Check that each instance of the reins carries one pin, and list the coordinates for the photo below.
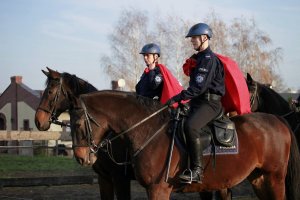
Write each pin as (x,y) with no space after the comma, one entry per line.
(108,142)
(109,150)
(254,96)
(137,124)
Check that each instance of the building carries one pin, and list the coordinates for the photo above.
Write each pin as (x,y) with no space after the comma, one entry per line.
(18,104)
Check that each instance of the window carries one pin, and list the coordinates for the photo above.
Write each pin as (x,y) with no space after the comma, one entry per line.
(66,128)
(26,125)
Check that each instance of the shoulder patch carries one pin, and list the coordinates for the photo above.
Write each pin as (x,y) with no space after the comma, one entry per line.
(158,79)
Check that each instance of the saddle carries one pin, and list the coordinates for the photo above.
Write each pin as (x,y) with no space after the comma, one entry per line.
(220,131)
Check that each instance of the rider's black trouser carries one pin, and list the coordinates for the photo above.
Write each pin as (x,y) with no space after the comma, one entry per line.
(201,113)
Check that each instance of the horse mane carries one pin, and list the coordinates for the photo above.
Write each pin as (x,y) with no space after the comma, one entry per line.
(268,93)
(148,104)
(78,85)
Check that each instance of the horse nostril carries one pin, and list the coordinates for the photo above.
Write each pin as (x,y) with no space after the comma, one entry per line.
(80,161)
(37,124)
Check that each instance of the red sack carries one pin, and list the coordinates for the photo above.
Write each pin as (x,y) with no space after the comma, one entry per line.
(171,86)
(237,97)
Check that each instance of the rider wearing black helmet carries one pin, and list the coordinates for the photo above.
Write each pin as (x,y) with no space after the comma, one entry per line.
(151,82)
(206,87)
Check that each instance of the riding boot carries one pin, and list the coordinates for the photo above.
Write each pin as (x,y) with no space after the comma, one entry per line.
(196,156)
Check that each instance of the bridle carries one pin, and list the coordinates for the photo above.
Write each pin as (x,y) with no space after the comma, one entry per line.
(254,96)
(52,111)
(107,142)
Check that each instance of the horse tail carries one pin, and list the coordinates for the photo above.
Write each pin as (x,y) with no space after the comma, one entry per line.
(292,179)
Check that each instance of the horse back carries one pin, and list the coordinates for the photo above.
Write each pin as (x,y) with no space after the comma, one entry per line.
(265,134)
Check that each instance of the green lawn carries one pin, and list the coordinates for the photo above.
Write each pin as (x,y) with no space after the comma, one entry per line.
(14,165)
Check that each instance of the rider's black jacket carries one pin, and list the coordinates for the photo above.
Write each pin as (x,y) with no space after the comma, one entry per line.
(150,84)
(206,77)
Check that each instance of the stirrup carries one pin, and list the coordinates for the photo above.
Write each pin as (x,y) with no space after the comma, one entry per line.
(187,171)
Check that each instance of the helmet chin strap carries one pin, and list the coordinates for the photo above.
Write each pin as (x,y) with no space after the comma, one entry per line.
(154,61)
(202,42)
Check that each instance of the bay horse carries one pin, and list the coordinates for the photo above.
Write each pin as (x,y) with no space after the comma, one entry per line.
(62,94)
(265,99)
(268,154)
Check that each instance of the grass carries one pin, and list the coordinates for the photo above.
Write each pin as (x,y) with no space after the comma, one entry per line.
(15,165)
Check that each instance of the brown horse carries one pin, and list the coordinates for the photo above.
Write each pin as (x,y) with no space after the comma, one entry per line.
(268,154)
(62,94)
(63,90)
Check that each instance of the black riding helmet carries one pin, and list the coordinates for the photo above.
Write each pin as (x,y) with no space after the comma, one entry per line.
(200,29)
(151,48)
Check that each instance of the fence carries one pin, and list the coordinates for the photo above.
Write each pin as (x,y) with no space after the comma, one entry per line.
(25,142)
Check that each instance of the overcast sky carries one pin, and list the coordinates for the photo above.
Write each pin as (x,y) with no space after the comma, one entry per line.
(71,35)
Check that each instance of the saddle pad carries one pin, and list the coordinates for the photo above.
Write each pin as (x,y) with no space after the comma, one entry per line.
(222,150)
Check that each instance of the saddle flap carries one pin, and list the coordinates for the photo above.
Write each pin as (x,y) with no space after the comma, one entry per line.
(224,130)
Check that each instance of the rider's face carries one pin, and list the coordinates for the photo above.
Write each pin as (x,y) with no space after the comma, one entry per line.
(196,42)
(150,58)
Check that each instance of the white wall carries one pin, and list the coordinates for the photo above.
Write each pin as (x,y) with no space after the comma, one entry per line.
(6,110)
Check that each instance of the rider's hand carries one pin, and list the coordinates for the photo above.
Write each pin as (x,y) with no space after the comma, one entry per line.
(173,100)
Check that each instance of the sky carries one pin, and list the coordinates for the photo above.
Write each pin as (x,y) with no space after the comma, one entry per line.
(72,35)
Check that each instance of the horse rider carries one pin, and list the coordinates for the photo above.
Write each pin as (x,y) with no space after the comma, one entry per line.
(157,82)
(206,87)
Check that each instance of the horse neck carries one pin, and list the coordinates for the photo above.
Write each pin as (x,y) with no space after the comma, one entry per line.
(124,114)
(76,87)
(272,102)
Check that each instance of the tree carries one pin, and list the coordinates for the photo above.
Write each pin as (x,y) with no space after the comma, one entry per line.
(126,41)
(170,33)
(241,40)
(250,47)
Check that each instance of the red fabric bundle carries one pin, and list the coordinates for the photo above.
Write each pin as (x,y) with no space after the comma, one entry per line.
(171,86)
(237,96)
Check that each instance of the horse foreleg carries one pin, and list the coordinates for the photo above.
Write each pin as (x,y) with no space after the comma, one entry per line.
(106,188)
(122,188)
(225,194)
(206,195)
(159,192)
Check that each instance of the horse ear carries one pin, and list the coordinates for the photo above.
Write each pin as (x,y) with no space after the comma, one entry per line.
(46,73)
(249,78)
(52,73)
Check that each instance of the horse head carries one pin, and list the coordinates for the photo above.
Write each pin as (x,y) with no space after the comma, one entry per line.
(108,119)
(61,94)
(84,139)
(53,101)
(265,99)
(90,129)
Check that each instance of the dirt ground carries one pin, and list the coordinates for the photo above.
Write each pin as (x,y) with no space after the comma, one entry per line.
(88,192)
(91,191)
